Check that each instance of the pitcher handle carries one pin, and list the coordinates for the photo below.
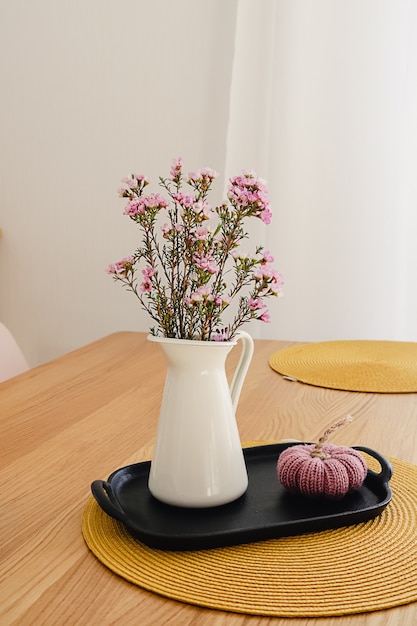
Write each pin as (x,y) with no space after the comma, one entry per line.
(242,366)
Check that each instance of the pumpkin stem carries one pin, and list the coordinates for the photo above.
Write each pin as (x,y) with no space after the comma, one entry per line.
(318,448)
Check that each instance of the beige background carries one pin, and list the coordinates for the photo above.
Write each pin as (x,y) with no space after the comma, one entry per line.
(320,102)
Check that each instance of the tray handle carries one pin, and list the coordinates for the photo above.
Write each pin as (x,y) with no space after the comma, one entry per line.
(386,467)
(103,493)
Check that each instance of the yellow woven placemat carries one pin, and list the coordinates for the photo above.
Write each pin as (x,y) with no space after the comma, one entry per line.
(355,569)
(372,366)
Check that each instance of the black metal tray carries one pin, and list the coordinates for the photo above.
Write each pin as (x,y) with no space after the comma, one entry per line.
(265,511)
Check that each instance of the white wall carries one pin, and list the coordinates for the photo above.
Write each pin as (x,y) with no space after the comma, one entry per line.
(334,131)
(92,90)
(323,104)
(341,143)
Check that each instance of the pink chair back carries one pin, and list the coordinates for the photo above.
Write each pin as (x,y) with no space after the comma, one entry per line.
(12,361)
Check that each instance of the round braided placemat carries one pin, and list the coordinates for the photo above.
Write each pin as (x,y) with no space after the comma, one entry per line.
(354,569)
(371,366)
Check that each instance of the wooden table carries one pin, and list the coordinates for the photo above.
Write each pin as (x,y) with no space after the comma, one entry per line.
(81,416)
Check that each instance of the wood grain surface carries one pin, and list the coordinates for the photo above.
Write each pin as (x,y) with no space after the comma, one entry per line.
(81,416)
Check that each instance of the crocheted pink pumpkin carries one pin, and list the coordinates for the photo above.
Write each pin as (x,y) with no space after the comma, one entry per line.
(321,469)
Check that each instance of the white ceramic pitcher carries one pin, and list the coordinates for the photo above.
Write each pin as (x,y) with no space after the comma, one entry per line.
(198,459)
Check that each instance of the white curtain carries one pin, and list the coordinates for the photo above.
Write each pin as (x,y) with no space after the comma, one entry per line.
(323,105)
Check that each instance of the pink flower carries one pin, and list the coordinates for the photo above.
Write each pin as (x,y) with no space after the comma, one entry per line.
(121,268)
(266,215)
(222,335)
(265,317)
(146,286)
(130,181)
(175,171)
(138,206)
(142,179)
(250,192)
(204,173)
(148,272)
(201,233)
(277,283)
(255,304)
(206,263)
(203,209)
(207,172)
(267,257)
(264,270)
(134,207)
(155,201)
(241,254)
(205,292)
(185,200)
(202,293)
(219,337)
(274,280)
(166,229)
(194,259)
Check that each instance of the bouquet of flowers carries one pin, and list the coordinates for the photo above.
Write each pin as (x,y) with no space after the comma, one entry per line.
(192,267)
